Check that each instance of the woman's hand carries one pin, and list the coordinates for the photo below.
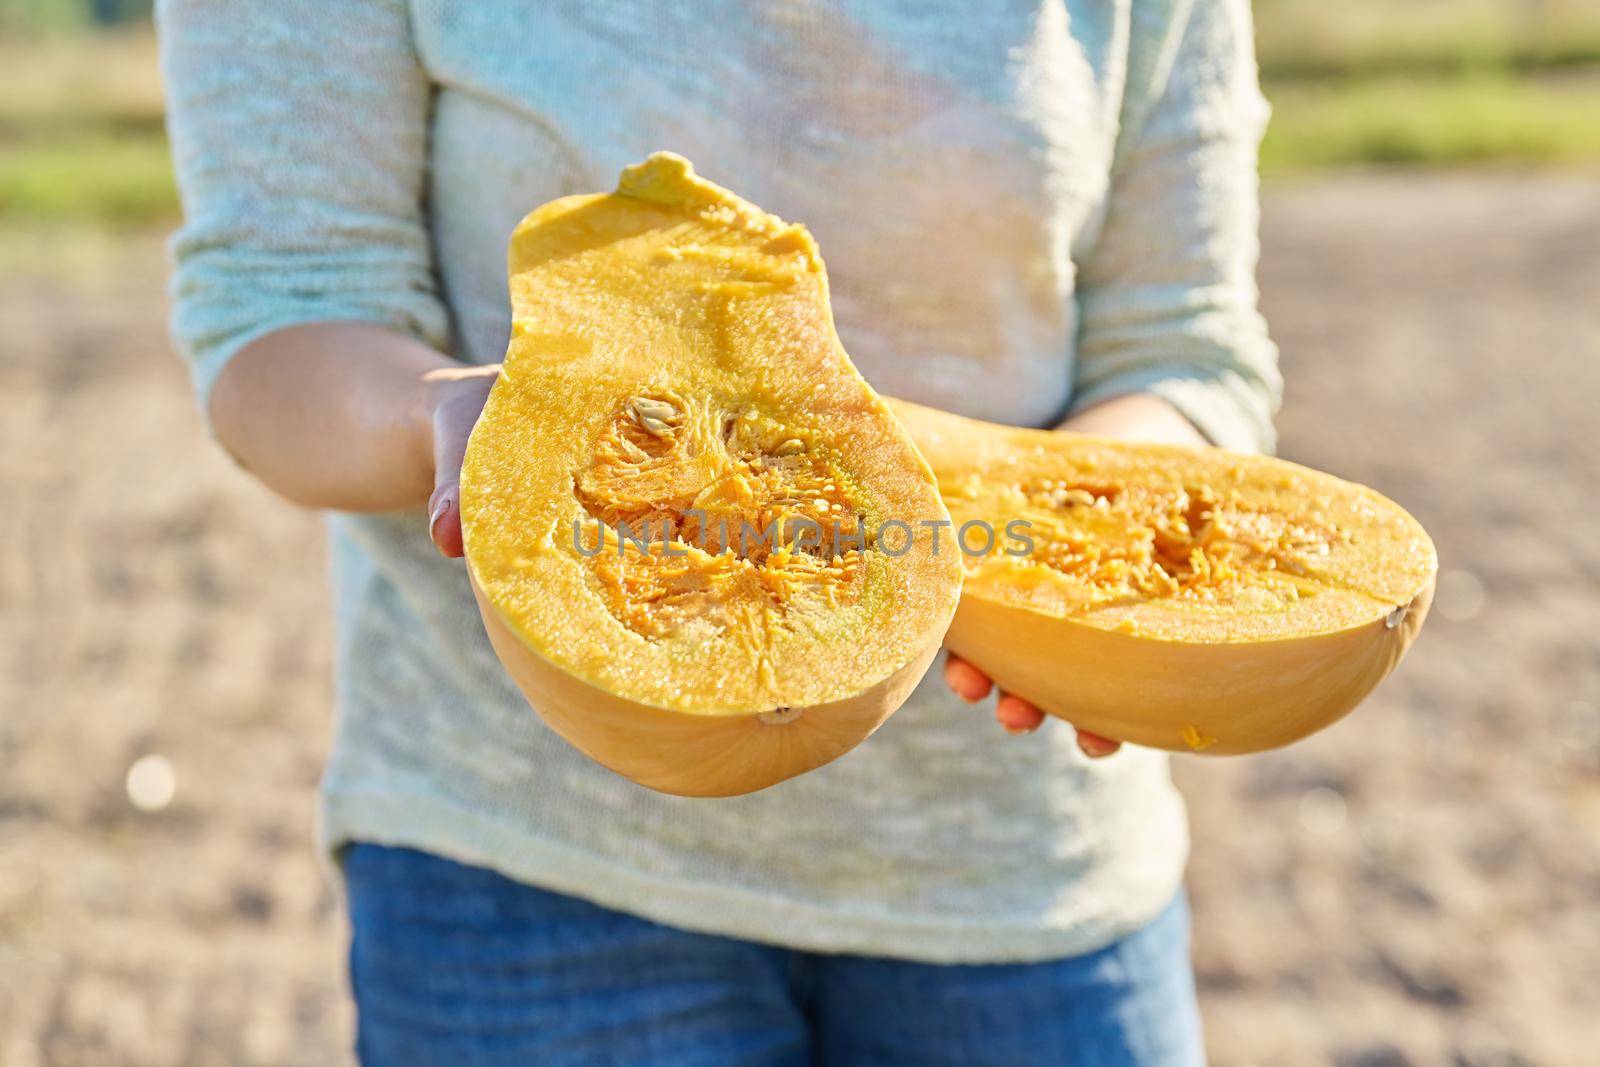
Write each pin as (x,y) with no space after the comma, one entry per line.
(353,417)
(1137,417)
(1015,714)
(336,415)
(458,395)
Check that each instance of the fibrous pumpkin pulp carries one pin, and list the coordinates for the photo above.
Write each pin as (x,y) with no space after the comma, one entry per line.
(673,502)
(1190,599)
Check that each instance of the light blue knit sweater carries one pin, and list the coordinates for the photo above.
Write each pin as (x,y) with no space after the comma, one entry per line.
(1025,206)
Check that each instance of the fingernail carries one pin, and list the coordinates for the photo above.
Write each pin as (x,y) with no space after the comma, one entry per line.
(440,507)
(1018,731)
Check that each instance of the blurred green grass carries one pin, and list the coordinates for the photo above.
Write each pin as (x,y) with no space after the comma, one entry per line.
(1434,83)
(81,135)
(1438,83)
(1459,120)
(107,178)
(1306,40)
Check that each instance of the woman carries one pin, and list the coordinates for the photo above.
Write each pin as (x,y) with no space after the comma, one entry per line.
(1031,212)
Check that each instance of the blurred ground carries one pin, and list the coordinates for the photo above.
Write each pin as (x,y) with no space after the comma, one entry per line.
(152,600)
(1418,885)
(1415,886)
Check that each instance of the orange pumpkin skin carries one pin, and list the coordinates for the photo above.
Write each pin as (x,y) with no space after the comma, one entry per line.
(696,755)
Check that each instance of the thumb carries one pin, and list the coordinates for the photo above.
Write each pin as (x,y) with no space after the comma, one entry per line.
(444,517)
(453,419)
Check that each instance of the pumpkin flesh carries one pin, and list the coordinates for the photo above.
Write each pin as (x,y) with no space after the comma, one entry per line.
(670,504)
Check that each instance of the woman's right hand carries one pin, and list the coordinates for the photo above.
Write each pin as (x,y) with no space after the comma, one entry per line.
(457,396)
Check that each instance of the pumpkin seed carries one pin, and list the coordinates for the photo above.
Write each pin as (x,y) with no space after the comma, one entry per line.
(645,407)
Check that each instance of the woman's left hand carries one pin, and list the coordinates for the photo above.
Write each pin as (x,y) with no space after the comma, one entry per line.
(1015,714)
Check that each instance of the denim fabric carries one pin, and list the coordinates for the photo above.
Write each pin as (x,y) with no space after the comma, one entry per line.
(459,966)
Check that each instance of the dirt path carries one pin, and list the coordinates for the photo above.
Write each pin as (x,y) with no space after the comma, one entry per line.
(1415,886)
(1418,884)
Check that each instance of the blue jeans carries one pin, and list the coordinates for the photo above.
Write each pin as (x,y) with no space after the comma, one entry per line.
(461,967)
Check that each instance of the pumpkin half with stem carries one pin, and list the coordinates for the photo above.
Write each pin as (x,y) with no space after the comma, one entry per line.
(1189,599)
(672,504)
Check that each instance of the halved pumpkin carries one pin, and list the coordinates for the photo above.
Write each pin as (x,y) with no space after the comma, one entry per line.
(673,501)
(1189,599)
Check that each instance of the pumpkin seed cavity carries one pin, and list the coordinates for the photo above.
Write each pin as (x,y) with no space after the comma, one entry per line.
(704,516)
(1130,543)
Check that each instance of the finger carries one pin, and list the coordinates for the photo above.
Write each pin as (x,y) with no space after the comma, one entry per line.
(450,434)
(1017,715)
(452,429)
(969,683)
(1096,747)
(453,421)
(444,519)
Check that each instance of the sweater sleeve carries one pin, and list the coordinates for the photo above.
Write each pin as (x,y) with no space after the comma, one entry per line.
(299,133)
(1167,295)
